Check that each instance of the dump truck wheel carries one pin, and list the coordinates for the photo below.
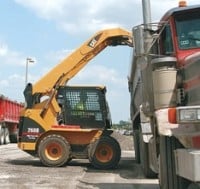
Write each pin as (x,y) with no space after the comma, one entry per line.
(1,135)
(13,138)
(194,186)
(167,169)
(6,136)
(136,139)
(144,158)
(105,153)
(54,151)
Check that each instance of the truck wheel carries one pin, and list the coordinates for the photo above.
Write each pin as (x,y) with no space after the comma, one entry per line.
(136,139)
(144,158)
(167,170)
(13,138)
(6,136)
(194,186)
(1,135)
(105,153)
(54,151)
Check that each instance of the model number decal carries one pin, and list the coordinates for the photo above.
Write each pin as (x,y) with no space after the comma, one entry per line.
(33,130)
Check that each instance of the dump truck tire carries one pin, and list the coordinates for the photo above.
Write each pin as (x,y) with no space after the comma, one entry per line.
(144,158)
(167,169)
(136,139)
(13,138)
(194,186)
(6,136)
(54,151)
(1,135)
(105,153)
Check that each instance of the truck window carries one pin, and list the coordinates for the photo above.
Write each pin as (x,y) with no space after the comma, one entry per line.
(188,37)
(167,41)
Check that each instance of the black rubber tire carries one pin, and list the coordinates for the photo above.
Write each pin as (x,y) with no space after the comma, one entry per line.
(194,186)
(54,151)
(1,135)
(167,170)
(144,158)
(105,153)
(6,136)
(13,138)
(136,139)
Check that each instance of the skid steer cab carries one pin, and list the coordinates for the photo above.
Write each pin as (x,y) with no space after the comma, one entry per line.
(83,130)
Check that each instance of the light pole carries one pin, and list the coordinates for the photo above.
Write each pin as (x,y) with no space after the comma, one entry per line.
(28,60)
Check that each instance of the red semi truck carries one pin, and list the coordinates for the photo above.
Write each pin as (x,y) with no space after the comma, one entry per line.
(164,85)
(9,119)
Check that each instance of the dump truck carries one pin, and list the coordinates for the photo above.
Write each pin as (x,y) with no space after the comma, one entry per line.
(62,122)
(9,119)
(164,85)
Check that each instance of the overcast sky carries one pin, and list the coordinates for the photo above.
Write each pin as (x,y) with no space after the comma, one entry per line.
(49,30)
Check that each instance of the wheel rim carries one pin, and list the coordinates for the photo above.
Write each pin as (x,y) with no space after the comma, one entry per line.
(104,153)
(53,151)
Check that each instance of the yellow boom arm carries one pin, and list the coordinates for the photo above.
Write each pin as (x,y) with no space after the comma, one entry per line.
(71,65)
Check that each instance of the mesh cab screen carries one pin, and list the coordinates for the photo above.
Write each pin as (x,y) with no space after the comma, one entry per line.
(84,107)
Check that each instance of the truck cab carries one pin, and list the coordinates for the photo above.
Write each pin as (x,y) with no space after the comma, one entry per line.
(164,86)
(181,35)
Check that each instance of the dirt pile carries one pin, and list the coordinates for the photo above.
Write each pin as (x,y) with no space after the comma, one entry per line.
(126,142)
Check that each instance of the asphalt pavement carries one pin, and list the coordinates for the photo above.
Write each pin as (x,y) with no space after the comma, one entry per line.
(21,171)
